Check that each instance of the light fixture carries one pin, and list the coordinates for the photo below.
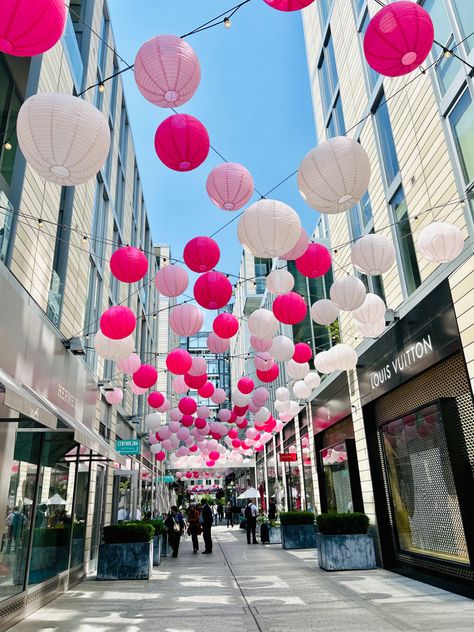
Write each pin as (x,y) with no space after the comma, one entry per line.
(101,87)
(76,345)
(227,23)
(447,53)
(7,145)
(40,223)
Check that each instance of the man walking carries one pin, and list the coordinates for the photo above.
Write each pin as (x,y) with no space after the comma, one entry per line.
(251,521)
(206,519)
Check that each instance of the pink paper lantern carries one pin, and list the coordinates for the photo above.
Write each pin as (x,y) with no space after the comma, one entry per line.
(176,414)
(207,390)
(219,396)
(156,399)
(261,396)
(239,411)
(182,434)
(114,397)
(225,325)
(165,406)
(201,254)
(398,38)
(230,186)
(288,5)
(187,421)
(118,322)
(263,361)
(130,365)
(195,381)
(224,414)
(299,248)
(193,448)
(270,375)
(30,28)
(253,407)
(245,385)
(129,264)
(171,281)
(315,262)
(302,353)
(179,361)
(137,390)
(260,344)
(216,344)
(174,426)
(213,290)
(186,319)
(182,142)
(179,385)
(187,405)
(203,412)
(189,474)
(210,463)
(200,423)
(242,424)
(290,308)
(160,456)
(146,376)
(167,71)
(236,443)
(214,455)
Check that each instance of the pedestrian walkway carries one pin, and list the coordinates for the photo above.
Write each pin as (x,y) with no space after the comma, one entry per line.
(248,588)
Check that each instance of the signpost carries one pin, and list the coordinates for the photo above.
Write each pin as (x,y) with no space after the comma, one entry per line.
(165,479)
(287,457)
(128,446)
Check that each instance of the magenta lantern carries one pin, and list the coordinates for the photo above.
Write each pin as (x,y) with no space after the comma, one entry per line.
(230,186)
(302,352)
(315,262)
(214,455)
(193,448)
(258,447)
(187,405)
(245,385)
(156,399)
(213,290)
(182,142)
(114,397)
(270,375)
(239,411)
(288,5)
(179,361)
(233,433)
(207,390)
(195,381)
(201,254)
(216,344)
(210,463)
(130,365)
(260,344)
(171,280)
(118,322)
(146,376)
(398,38)
(186,319)
(289,308)
(30,28)
(242,424)
(299,248)
(200,423)
(128,264)
(160,456)
(199,366)
(236,443)
(225,325)
(187,421)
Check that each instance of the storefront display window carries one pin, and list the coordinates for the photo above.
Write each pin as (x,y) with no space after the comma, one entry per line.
(337,479)
(307,474)
(80,508)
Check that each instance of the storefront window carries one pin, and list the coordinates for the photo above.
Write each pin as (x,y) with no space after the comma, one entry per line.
(424,499)
(337,479)
(80,509)
(307,474)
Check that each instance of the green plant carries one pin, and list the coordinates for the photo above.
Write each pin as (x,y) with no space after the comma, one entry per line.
(296,517)
(128,532)
(157,524)
(343,523)
(262,518)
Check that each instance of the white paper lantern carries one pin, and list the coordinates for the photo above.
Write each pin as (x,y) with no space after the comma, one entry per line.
(348,293)
(282,394)
(282,407)
(63,138)
(343,357)
(155,448)
(373,254)
(297,370)
(372,330)
(335,175)
(372,310)
(269,228)
(113,349)
(322,362)
(282,348)
(263,324)
(153,421)
(240,399)
(262,416)
(280,281)
(294,408)
(440,242)
(312,380)
(324,312)
(301,390)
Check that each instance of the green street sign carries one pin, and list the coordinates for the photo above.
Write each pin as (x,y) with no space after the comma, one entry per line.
(128,446)
(165,479)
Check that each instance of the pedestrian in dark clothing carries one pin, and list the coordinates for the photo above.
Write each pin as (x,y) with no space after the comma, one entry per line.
(206,521)
(251,521)
(220,511)
(229,514)
(272,510)
(194,528)
(174,524)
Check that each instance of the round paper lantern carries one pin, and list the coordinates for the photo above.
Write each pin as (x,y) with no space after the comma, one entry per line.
(323,363)
(160,456)
(299,248)
(373,254)
(176,414)
(31,28)
(195,381)
(282,348)
(200,423)
(167,71)
(214,455)
(280,281)
(165,406)
(312,380)
(146,376)
(201,254)
(302,352)
(114,397)
(182,434)
(156,399)
(245,385)
(282,394)
(335,175)
(263,361)
(348,293)
(179,361)
(203,412)
(182,142)
(262,323)
(372,310)
(288,5)
(216,344)
(153,421)
(207,390)
(186,319)
(179,385)
(269,228)
(171,281)
(239,398)
(224,414)
(230,186)
(64,138)
(118,322)
(315,262)
(440,242)
(225,325)
(198,367)
(270,375)
(138,390)
(372,330)
(260,344)
(297,370)
(219,396)
(301,390)
(129,365)
(289,309)
(111,349)
(262,416)
(213,290)
(398,39)
(260,396)
(282,407)
(324,312)
(343,357)
(129,264)
(187,421)
(187,405)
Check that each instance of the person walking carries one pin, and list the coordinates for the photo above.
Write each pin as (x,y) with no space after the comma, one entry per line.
(229,514)
(174,524)
(215,514)
(206,520)
(194,528)
(251,521)
(220,511)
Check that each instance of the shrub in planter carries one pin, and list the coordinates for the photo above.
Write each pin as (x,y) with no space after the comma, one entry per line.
(297,530)
(157,524)
(342,523)
(343,542)
(127,552)
(128,532)
(160,533)
(296,517)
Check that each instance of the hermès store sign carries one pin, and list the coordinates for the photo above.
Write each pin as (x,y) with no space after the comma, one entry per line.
(402,362)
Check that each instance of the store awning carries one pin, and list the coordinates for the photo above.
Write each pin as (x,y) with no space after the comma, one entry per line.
(17,397)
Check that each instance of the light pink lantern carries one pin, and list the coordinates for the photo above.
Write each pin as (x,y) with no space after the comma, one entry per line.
(260,344)
(171,281)
(199,366)
(299,248)
(203,412)
(212,290)
(224,414)
(179,385)
(179,361)
(398,38)
(176,414)
(128,264)
(219,396)
(315,262)
(225,325)
(263,361)
(114,397)
(129,365)
(167,71)
(137,390)
(117,322)
(201,254)
(165,406)
(216,344)
(186,319)
(230,186)
(260,396)
(289,5)
(182,142)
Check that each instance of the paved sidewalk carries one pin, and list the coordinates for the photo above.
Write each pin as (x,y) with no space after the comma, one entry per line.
(248,588)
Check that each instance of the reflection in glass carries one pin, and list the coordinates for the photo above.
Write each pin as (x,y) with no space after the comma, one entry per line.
(307,474)
(462,124)
(336,479)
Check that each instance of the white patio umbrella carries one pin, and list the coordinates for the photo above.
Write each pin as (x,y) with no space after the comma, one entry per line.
(251,492)
(56,500)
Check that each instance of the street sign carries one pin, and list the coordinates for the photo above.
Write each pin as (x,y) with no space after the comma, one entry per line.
(287,457)
(165,479)
(128,446)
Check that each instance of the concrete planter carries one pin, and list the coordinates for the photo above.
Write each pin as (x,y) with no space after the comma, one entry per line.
(269,535)
(298,536)
(346,552)
(157,550)
(164,545)
(131,560)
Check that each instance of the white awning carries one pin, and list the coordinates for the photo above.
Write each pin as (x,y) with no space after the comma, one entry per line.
(15,396)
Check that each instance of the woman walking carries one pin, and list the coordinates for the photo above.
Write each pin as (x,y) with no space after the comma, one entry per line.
(174,524)
(194,528)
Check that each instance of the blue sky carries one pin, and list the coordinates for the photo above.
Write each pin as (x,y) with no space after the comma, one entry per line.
(254,99)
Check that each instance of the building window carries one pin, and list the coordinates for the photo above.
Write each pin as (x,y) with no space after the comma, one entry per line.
(99,224)
(336,125)
(10,102)
(446,67)
(123,135)
(371,75)
(385,138)
(325,7)
(360,217)
(404,239)
(103,48)
(262,270)
(465,19)
(119,193)
(93,309)
(461,120)
(328,73)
